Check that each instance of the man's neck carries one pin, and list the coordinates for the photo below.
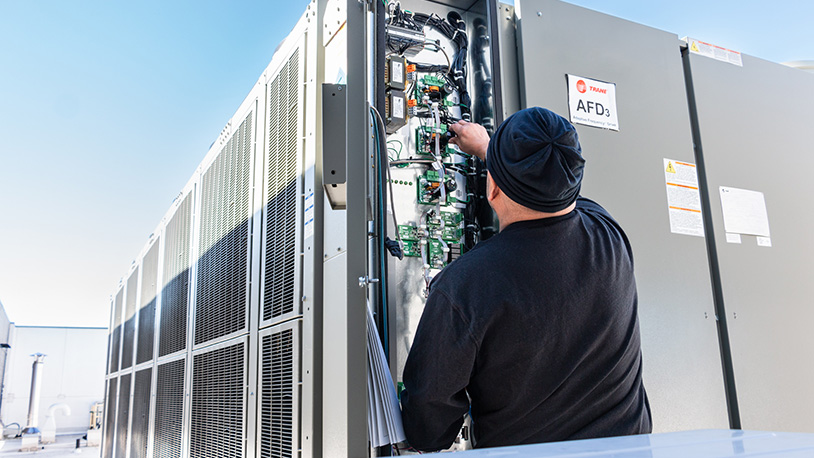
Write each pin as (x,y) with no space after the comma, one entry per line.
(527,214)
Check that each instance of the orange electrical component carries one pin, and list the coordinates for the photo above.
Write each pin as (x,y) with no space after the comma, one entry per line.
(412,102)
(411,68)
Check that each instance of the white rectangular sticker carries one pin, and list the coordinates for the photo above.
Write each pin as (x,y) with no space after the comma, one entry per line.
(398,107)
(744,211)
(397,71)
(733,238)
(714,52)
(309,216)
(764,241)
(592,102)
(683,198)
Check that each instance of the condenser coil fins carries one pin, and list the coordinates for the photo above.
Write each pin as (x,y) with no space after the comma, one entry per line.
(169,410)
(283,181)
(218,385)
(110,416)
(122,414)
(278,397)
(116,337)
(130,320)
(141,413)
(146,314)
(172,330)
(223,263)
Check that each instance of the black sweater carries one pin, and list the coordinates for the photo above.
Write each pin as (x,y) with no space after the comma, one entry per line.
(538,325)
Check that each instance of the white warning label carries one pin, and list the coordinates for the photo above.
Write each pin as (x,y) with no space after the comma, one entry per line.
(592,102)
(683,198)
(714,52)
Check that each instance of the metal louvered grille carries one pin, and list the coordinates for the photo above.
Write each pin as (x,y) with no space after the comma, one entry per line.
(122,414)
(277,391)
(223,263)
(141,413)
(218,387)
(146,314)
(172,330)
(281,209)
(110,417)
(169,410)
(116,338)
(130,323)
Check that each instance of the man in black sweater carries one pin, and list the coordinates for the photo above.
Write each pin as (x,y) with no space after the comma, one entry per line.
(535,331)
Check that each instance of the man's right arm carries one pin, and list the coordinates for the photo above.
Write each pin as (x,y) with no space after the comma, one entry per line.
(471,138)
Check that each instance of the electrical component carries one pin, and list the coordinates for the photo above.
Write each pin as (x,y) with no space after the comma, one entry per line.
(429,188)
(425,140)
(395,73)
(395,107)
(403,41)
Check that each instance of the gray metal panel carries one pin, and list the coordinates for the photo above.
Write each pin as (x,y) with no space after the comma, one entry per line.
(755,128)
(282,212)
(110,417)
(219,401)
(624,173)
(223,263)
(129,337)
(146,314)
(172,327)
(116,333)
(279,393)
(141,413)
(122,416)
(169,409)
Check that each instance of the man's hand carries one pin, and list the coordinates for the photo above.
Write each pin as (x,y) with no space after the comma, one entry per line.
(471,138)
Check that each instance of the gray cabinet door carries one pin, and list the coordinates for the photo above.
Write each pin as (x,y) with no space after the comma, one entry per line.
(624,172)
(757,133)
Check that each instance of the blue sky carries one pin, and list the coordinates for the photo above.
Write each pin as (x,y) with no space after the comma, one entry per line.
(106,109)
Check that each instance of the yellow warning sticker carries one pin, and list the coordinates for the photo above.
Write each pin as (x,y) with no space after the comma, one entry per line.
(694,47)
(670,168)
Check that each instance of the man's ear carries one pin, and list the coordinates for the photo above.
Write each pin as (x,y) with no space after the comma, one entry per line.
(492,190)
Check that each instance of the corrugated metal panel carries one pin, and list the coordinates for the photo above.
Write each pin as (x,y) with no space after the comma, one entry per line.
(146,314)
(116,338)
(218,391)
(223,263)
(110,417)
(141,413)
(282,181)
(122,415)
(130,323)
(172,330)
(169,410)
(279,394)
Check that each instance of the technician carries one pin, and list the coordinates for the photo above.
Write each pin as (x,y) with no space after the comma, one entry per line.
(534,331)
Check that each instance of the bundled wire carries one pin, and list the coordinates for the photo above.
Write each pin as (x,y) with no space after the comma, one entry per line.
(453,28)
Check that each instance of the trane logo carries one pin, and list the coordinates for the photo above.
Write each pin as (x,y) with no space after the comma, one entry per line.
(582,88)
